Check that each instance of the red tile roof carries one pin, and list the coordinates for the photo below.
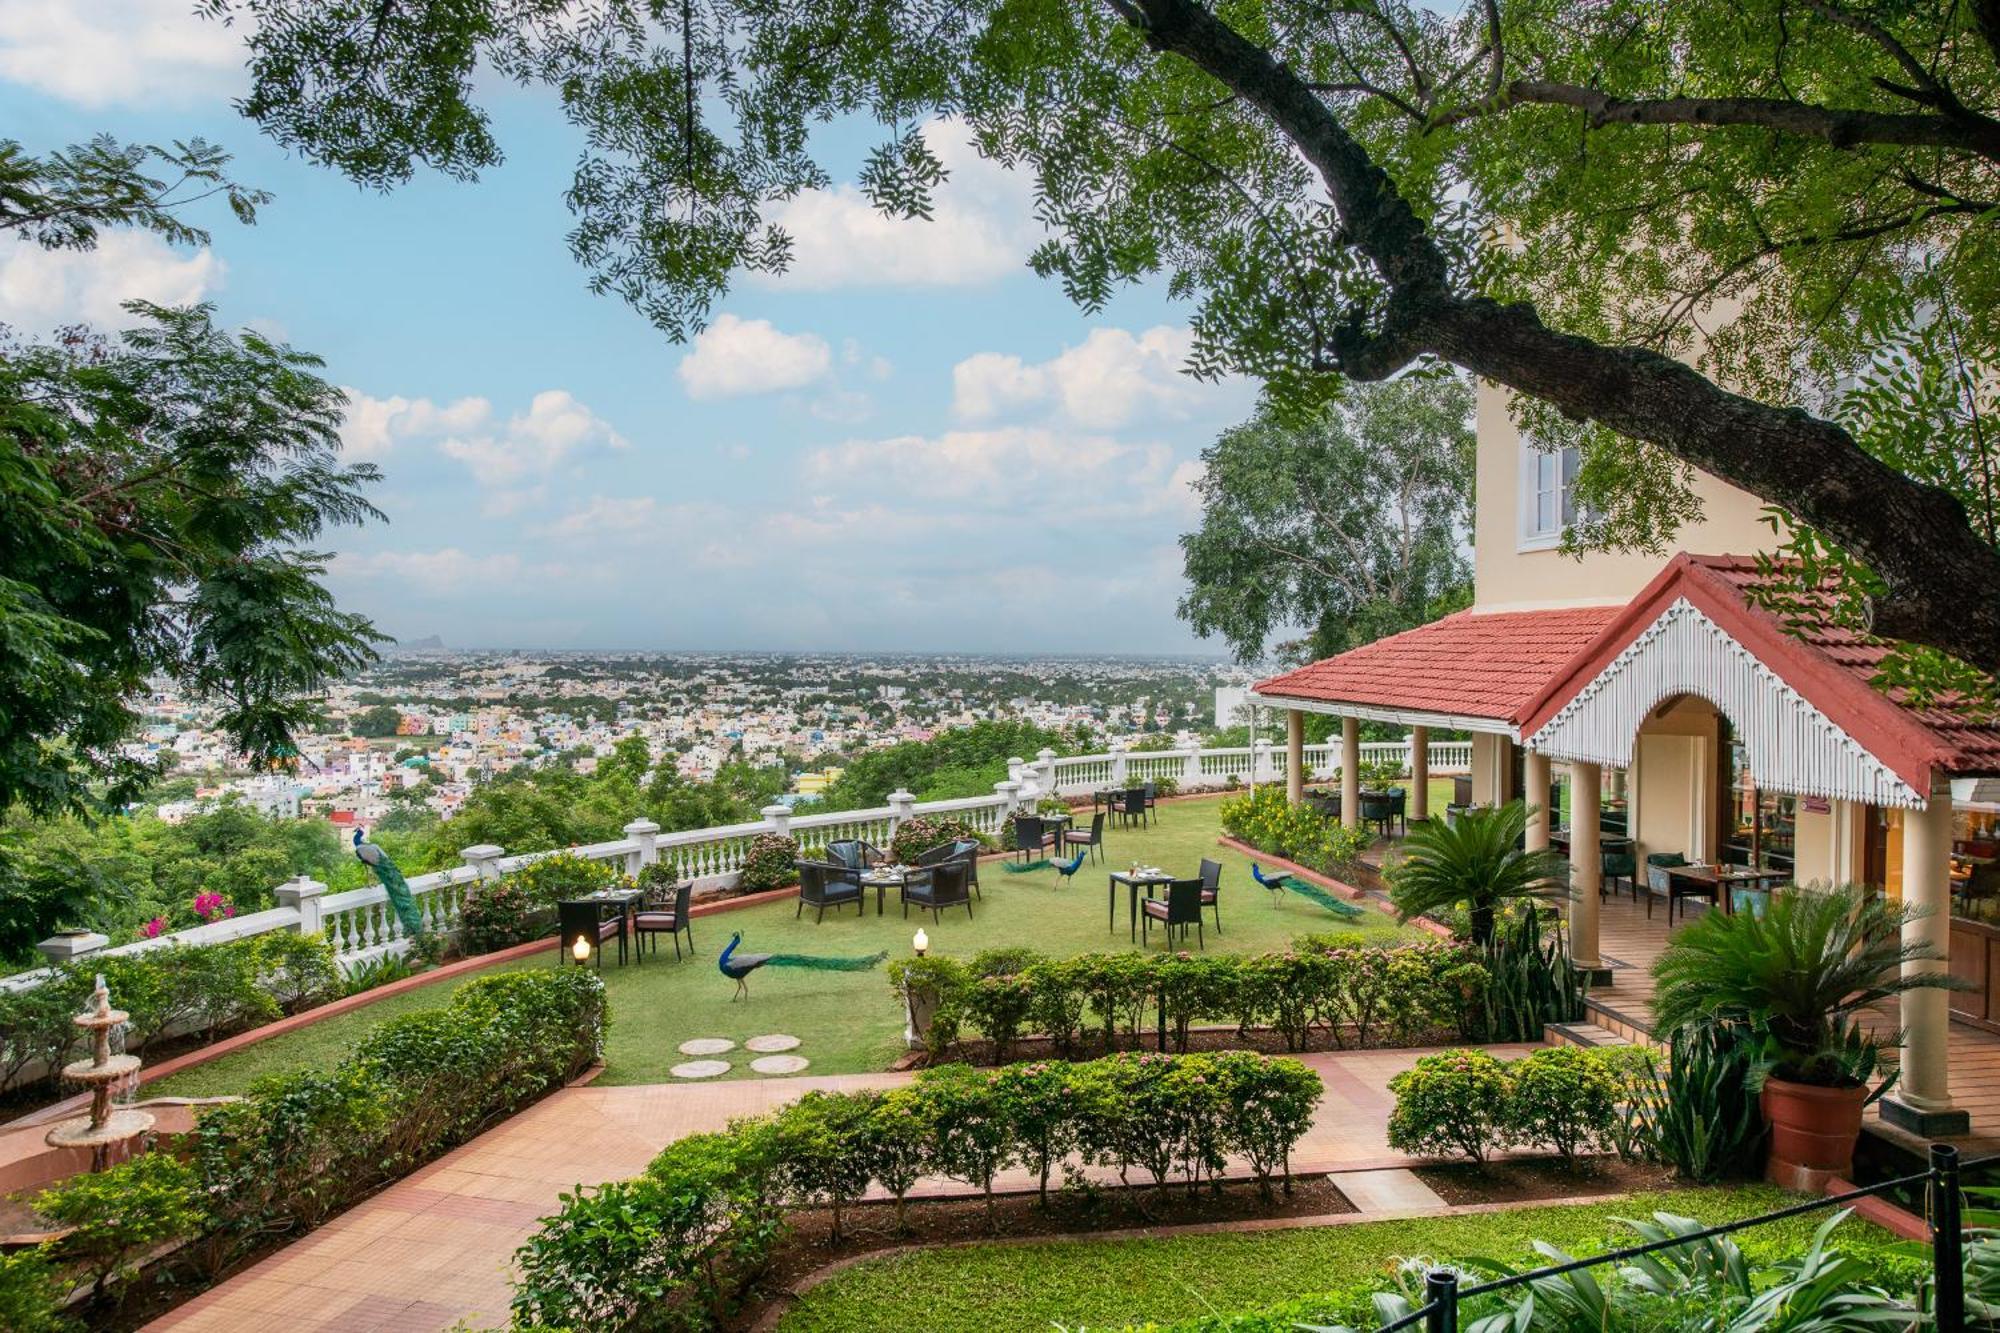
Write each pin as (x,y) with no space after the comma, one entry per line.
(1471,664)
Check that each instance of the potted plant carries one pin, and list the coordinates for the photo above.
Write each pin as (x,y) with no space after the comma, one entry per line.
(1796,980)
(1476,863)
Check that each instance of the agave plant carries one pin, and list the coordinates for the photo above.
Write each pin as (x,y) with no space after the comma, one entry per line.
(1799,977)
(1476,861)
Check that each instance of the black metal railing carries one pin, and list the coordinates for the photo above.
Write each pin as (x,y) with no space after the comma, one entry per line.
(1443,1293)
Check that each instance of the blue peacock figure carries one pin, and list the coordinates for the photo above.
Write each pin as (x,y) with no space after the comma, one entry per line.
(738,966)
(1279,884)
(393,883)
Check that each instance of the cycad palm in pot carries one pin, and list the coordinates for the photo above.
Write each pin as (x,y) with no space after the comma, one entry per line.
(1799,979)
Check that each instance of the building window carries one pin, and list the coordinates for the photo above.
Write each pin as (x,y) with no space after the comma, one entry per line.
(1548,494)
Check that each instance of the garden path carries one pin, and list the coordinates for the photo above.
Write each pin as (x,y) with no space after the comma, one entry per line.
(436,1248)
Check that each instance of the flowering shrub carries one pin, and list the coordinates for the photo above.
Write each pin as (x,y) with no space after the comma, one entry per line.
(769,863)
(498,914)
(1563,1098)
(548,880)
(1451,1102)
(920,833)
(677,1245)
(212,907)
(1266,820)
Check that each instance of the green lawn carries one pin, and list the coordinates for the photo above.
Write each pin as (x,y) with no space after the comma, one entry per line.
(848,1022)
(1108,1284)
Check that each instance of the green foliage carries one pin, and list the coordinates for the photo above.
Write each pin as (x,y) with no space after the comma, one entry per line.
(953,759)
(1564,1099)
(674,1248)
(1696,1109)
(1265,819)
(1530,981)
(1476,862)
(380,970)
(770,862)
(999,995)
(113,1217)
(498,914)
(32,1291)
(1352,523)
(1799,976)
(1451,1102)
(298,970)
(548,880)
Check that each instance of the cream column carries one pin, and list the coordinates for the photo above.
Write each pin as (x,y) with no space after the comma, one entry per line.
(1350,772)
(1922,1099)
(1295,755)
(1586,865)
(1535,773)
(1420,773)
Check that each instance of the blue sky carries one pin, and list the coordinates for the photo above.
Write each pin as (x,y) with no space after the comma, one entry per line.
(910,442)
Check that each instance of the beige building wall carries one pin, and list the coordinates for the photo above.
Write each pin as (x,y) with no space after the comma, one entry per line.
(1507,577)
(1671,789)
(1828,845)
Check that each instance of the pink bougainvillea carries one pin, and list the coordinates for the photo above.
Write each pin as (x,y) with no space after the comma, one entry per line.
(153,929)
(213,907)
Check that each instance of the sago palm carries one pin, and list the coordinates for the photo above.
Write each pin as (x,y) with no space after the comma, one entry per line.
(1801,975)
(1477,862)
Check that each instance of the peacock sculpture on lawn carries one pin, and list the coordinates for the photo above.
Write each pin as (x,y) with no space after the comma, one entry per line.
(738,966)
(1279,884)
(393,883)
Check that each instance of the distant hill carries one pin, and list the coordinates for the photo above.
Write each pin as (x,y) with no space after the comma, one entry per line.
(429,644)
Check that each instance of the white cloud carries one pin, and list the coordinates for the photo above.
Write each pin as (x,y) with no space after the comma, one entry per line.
(127,52)
(40,289)
(605,514)
(990,465)
(1112,379)
(981,228)
(735,356)
(374,425)
(447,570)
(555,429)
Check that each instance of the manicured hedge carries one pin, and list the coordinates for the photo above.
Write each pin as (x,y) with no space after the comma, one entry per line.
(1336,990)
(674,1248)
(1265,819)
(1565,1099)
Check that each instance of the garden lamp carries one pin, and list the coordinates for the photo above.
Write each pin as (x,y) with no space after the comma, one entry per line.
(921,942)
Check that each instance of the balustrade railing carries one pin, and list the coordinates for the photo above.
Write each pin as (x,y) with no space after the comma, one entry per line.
(361,926)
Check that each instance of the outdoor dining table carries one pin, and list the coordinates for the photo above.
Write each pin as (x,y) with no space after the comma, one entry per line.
(881,877)
(1710,881)
(1109,798)
(1147,878)
(1056,824)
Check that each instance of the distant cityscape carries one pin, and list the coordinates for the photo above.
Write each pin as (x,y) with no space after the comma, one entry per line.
(428,724)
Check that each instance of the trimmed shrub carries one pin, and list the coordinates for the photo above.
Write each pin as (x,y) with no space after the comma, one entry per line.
(299,971)
(920,833)
(1451,1102)
(813,1142)
(113,1217)
(499,914)
(548,880)
(770,862)
(1562,1099)
(1263,818)
(32,1291)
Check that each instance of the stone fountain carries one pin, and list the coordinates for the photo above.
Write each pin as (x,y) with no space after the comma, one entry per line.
(104,1127)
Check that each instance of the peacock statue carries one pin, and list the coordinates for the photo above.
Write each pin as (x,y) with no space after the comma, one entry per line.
(738,966)
(393,883)
(1278,884)
(1066,869)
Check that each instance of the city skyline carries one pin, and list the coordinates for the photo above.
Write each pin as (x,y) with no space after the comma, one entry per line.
(909,443)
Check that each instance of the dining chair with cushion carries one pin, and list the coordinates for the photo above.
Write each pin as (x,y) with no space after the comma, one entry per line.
(1660,882)
(669,916)
(1617,865)
(949,884)
(823,885)
(1132,806)
(1031,837)
(1180,909)
(1377,809)
(1094,839)
(1399,808)
(1152,790)
(854,854)
(1211,889)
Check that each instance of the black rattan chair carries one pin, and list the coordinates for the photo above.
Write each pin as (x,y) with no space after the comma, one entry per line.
(1180,909)
(668,918)
(822,885)
(1032,837)
(1211,889)
(1132,806)
(949,884)
(1094,839)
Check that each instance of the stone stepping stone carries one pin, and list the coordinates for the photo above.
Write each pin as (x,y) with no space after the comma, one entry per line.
(700,1069)
(770,1043)
(779,1064)
(707,1046)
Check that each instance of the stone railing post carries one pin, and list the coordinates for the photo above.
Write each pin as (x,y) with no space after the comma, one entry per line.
(902,805)
(779,817)
(1260,762)
(1119,763)
(484,859)
(304,894)
(1015,768)
(647,834)
(1010,795)
(1045,758)
(1191,769)
(71,944)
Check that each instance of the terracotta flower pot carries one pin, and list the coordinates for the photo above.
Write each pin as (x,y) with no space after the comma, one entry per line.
(1813,1132)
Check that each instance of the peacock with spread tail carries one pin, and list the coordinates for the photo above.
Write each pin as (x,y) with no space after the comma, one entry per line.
(393,883)
(1279,884)
(738,966)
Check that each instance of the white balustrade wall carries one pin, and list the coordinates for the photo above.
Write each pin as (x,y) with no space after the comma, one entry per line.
(361,926)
